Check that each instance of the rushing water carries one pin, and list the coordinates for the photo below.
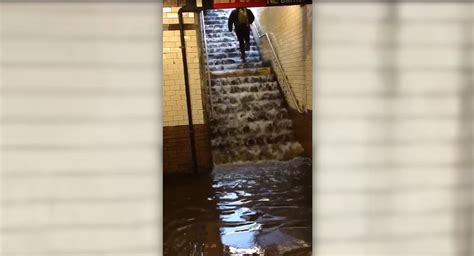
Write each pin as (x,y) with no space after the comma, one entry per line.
(255,209)
(250,121)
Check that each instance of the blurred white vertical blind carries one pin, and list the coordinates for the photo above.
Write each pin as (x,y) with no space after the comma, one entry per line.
(80,123)
(394,128)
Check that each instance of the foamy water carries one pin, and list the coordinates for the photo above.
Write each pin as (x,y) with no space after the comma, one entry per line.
(250,121)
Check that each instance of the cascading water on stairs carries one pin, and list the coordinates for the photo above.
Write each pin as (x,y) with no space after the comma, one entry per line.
(250,120)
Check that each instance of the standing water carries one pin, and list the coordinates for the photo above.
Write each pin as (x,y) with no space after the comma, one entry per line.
(250,204)
(247,209)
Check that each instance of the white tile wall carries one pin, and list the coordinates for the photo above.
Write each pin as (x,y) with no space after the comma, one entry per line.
(174,100)
(291,35)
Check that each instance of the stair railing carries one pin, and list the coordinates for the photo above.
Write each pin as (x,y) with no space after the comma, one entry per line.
(206,64)
(286,88)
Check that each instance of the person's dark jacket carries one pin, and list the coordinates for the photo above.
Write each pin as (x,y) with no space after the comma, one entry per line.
(234,20)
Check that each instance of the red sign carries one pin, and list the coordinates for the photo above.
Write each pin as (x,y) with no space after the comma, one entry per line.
(221,4)
(238,3)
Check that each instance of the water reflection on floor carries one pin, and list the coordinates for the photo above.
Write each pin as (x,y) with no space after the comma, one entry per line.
(251,209)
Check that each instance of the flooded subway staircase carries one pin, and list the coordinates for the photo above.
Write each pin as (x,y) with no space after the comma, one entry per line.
(253,208)
(250,122)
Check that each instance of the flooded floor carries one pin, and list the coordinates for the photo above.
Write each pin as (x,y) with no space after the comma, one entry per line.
(250,209)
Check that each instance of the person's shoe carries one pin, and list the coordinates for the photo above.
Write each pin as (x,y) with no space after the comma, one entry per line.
(242,57)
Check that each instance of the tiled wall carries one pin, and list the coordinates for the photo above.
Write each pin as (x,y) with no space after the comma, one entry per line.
(292,39)
(394,130)
(176,140)
(80,112)
(174,97)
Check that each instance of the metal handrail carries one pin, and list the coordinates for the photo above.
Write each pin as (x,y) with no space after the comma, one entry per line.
(285,78)
(208,72)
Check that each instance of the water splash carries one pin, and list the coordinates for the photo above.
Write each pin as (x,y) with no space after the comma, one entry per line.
(250,121)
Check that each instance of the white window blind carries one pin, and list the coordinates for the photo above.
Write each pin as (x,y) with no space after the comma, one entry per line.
(80,113)
(393,137)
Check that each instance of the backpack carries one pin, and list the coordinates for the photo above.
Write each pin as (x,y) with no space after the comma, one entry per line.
(243,17)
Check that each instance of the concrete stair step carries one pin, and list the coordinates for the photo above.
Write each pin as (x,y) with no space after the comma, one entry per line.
(254,127)
(253,115)
(253,105)
(244,97)
(233,49)
(244,118)
(222,34)
(210,14)
(235,66)
(234,44)
(226,40)
(217,16)
(232,57)
(215,22)
(250,139)
(261,71)
(221,29)
(222,90)
(274,151)
(221,40)
(219,56)
(235,60)
(243,80)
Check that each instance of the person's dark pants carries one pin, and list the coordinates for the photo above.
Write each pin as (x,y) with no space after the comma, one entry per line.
(244,40)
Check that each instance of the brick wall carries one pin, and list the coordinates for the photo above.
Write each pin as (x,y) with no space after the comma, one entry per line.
(177,150)
(291,27)
(394,128)
(80,93)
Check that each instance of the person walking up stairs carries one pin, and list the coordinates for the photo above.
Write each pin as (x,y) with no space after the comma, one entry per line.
(241,19)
